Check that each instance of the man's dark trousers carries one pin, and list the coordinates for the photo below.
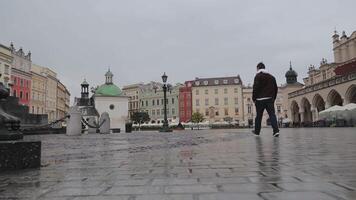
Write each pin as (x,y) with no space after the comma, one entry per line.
(261,105)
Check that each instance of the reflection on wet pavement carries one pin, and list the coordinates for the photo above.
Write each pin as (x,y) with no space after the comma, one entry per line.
(194,165)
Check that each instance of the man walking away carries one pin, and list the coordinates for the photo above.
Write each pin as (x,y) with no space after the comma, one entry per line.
(264,94)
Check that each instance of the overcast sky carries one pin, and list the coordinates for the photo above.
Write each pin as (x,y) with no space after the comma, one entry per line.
(140,39)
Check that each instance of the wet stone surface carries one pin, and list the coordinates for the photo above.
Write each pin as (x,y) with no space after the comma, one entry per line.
(191,165)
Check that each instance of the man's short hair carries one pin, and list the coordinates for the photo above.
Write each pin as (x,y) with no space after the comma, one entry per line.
(261,65)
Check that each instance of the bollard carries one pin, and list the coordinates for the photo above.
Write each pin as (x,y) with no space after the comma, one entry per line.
(74,125)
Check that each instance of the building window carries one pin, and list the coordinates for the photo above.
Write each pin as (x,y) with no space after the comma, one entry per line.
(142,103)
(279,109)
(158,113)
(216,101)
(216,82)
(225,90)
(162,101)
(26,96)
(112,107)
(172,100)
(14,93)
(206,102)
(21,96)
(206,112)
(206,82)
(173,111)
(236,111)
(226,111)
(33,109)
(153,102)
(206,91)
(217,113)
(249,109)
(146,103)
(225,81)
(216,91)
(236,100)
(153,112)
(197,102)
(226,101)
(7,69)
(197,92)
(21,83)
(157,102)
(235,90)
(15,83)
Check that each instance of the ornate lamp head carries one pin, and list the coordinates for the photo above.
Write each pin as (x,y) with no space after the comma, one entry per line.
(164,77)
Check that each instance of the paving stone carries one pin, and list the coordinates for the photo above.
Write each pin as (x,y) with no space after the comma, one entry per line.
(100,197)
(310,187)
(190,189)
(134,190)
(229,196)
(75,192)
(207,164)
(296,196)
(171,181)
(249,188)
(164,197)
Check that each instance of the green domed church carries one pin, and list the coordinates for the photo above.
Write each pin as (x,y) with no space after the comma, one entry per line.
(109,98)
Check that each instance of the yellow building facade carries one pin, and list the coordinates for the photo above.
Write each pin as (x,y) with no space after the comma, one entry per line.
(51,90)
(218,99)
(5,65)
(38,96)
(61,101)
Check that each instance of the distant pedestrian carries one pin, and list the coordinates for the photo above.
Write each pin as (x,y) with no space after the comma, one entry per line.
(264,94)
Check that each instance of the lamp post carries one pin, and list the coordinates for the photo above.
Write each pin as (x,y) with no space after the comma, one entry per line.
(165,127)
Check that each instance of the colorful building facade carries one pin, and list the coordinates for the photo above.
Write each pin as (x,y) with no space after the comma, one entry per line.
(21,76)
(185,102)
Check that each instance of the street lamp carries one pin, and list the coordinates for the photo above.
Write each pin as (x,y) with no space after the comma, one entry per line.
(165,127)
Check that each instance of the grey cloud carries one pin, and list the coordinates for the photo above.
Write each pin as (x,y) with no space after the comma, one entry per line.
(141,39)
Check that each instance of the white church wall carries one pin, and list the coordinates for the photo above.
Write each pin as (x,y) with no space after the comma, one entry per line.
(118,112)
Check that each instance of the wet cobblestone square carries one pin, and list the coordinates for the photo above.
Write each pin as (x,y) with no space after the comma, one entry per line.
(314,163)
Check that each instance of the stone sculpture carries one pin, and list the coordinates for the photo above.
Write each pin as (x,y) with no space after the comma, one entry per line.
(105,123)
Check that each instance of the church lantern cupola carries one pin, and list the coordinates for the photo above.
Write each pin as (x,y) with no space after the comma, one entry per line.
(85,89)
(108,77)
(291,75)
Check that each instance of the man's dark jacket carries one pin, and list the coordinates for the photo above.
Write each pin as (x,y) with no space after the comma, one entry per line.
(264,85)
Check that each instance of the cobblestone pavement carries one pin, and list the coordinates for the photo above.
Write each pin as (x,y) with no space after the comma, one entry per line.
(305,164)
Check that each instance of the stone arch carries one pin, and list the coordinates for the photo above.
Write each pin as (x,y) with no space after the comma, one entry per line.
(294,107)
(306,115)
(350,95)
(334,98)
(318,105)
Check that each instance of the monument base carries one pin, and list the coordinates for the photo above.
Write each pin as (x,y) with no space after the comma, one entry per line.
(165,130)
(20,155)
(7,135)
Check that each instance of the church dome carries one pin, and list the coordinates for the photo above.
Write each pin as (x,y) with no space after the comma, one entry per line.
(291,75)
(108,90)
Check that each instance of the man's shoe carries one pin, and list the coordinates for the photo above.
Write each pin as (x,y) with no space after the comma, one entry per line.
(255,133)
(276,134)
